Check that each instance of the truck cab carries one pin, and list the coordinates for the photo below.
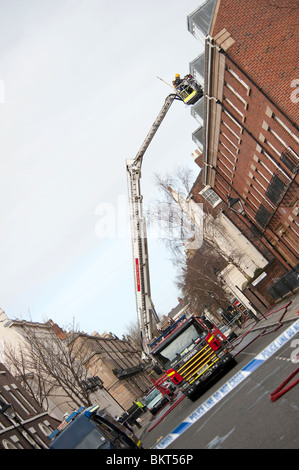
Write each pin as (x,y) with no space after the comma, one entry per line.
(90,428)
(191,356)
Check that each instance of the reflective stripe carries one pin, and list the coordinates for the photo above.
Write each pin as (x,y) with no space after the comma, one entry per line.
(203,362)
(193,357)
(198,375)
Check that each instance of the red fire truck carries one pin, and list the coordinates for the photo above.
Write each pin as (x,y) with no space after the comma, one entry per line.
(191,355)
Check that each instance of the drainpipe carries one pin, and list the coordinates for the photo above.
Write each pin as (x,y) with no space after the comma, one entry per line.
(209,45)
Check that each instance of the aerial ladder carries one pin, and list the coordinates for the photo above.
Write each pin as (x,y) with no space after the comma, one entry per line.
(189,92)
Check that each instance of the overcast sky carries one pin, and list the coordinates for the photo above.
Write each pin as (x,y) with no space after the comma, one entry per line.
(81,92)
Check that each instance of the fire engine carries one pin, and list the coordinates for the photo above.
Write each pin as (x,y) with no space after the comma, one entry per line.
(191,354)
(189,93)
(210,353)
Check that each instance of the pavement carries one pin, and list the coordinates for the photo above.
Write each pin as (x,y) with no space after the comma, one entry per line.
(145,422)
(280,313)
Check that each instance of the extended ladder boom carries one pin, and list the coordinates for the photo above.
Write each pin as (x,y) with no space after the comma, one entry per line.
(168,102)
(145,308)
(188,92)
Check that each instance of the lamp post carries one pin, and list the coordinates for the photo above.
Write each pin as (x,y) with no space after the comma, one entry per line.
(8,411)
(216,300)
(235,204)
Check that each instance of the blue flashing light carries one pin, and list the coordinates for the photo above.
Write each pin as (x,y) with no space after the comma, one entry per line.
(74,414)
(65,422)
(53,434)
(91,411)
(167,331)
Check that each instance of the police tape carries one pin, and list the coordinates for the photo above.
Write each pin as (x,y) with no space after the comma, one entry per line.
(232,383)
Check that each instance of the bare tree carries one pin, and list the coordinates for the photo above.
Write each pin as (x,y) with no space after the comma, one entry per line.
(49,367)
(197,280)
(196,268)
(166,219)
(133,334)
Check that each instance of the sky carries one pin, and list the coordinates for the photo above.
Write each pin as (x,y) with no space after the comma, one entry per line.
(79,93)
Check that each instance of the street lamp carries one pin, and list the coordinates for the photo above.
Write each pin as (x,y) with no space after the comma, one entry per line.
(7,410)
(216,300)
(235,204)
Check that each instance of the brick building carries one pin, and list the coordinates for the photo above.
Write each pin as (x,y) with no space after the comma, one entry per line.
(29,425)
(248,132)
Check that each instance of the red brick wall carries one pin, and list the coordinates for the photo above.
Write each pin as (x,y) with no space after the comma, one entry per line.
(266,34)
(250,144)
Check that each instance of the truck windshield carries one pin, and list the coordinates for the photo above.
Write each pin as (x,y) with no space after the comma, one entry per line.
(181,345)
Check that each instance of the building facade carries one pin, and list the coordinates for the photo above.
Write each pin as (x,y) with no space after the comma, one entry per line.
(55,399)
(248,128)
(118,364)
(24,424)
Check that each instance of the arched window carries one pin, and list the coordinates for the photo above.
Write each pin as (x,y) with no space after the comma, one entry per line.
(46,430)
(10,445)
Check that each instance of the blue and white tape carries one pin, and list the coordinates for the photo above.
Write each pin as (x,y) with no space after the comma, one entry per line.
(229,385)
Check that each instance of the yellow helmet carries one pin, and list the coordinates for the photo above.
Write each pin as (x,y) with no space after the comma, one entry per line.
(177,75)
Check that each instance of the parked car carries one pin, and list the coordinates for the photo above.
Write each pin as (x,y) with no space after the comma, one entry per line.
(154,400)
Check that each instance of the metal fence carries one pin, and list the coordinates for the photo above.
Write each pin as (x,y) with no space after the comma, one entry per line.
(288,283)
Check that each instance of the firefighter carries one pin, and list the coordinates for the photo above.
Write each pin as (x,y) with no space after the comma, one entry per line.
(207,322)
(177,81)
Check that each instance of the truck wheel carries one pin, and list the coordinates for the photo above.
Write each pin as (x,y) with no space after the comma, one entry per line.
(193,397)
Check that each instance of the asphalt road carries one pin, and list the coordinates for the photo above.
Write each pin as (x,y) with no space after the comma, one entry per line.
(246,418)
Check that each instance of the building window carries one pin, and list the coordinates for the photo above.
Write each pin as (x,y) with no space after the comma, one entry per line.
(276,190)
(232,132)
(295,205)
(30,440)
(230,141)
(45,428)
(227,159)
(277,137)
(252,198)
(210,196)
(262,196)
(263,216)
(236,76)
(283,173)
(12,445)
(270,145)
(232,154)
(282,124)
(290,159)
(17,393)
(235,108)
(197,33)
(234,121)
(13,396)
(243,101)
